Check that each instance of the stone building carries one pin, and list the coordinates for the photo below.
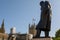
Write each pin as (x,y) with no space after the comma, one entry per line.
(18,36)
(32,29)
(2,29)
(21,37)
(3,35)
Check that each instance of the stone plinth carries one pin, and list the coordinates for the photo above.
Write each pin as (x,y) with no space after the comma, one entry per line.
(42,39)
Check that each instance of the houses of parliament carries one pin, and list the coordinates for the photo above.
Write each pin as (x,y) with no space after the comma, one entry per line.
(17,36)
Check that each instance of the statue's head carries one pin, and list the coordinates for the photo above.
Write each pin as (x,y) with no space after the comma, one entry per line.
(42,3)
(46,2)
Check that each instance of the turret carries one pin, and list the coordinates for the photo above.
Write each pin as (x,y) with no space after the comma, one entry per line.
(2,27)
(32,29)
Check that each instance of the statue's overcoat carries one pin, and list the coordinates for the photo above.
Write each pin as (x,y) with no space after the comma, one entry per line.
(45,19)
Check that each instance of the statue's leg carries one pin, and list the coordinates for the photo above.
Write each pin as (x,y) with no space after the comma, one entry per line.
(38,33)
(46,33)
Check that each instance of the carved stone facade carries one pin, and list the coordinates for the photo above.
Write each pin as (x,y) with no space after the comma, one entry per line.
(32,29)
(3,36)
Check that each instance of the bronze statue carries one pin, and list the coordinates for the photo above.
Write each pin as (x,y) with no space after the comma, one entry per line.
(45,20)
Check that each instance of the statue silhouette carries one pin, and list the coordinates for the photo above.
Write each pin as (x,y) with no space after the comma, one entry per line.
(45,20)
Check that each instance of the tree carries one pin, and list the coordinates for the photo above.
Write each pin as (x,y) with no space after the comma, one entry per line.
(57,33)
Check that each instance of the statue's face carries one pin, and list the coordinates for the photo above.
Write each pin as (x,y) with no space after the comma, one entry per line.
(42,3)
(46,2)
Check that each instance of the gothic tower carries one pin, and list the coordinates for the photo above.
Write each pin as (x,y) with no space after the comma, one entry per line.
(2,27)
(32,29)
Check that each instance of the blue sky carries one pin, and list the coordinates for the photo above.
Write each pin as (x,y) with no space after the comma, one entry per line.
(19,13)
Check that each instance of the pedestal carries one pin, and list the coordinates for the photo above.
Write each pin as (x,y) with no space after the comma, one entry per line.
(42,39)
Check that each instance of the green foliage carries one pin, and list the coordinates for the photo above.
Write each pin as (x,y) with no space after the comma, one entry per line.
(58,38)
(57,33)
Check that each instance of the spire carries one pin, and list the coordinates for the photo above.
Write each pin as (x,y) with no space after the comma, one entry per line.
(33,21)
(29,25)
(2,27)
(2,24)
